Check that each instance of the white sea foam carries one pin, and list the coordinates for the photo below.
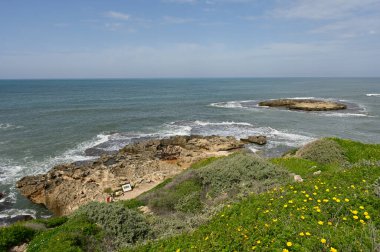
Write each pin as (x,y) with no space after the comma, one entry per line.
(230,104)
(374,95)
(7,126)
(16,212)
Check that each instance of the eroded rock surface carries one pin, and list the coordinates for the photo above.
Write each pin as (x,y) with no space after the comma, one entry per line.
(304,104)
(66,187)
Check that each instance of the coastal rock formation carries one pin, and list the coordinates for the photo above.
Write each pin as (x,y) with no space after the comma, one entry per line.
(304,104)
(66,187)
(260,140)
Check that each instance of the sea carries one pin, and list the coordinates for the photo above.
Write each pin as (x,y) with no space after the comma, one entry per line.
(48,122)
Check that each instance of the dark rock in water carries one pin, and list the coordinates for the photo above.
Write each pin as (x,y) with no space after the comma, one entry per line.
(10,220)
(93,152)
(96,152)
(261,140)
(2,195)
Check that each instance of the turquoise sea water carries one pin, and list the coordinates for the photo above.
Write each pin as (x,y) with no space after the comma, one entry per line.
(47,122)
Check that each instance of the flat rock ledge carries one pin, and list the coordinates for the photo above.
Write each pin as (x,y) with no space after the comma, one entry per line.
(304,104)
(68,186)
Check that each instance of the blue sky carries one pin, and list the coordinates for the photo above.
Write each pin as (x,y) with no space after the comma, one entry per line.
(189,38)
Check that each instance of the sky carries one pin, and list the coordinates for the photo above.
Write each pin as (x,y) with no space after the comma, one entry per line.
(189,38)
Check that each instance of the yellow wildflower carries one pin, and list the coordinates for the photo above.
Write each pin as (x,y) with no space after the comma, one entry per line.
(368,217)
(285,206)
(319,201)
(320,222)
(355,217)
(302,217)
(308,234)
(178,250)
(327,190)
(274,220)
(338,200)
(333,249)
(253,247)
(347,200)
(302,234)
(285,250)
(289,244)
(344,218)
(323,240)
(258,242)
(364,180)
(329,223)
(361,207)
(354,212)
(365,213)
(206,238)
(362,221)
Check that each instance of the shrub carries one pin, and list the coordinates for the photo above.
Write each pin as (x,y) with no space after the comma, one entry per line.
(131,203)
(53,221)
(242,172)
(14,235)
(323,151)
(124,225)
(77,234)
(182,194)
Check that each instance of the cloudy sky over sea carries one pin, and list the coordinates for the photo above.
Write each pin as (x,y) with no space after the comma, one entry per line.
(189,38)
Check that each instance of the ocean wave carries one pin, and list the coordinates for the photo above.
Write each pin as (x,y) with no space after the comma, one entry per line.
(7,126)
(374,95)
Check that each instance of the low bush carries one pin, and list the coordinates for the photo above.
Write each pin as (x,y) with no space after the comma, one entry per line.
(77,234)
(240,173)
(323,151)
(14,235)
(125,226)
(182,194)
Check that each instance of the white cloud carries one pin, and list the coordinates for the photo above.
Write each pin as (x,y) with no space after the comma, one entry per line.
(177,20)
(324,9)
(117,15)
(353,27)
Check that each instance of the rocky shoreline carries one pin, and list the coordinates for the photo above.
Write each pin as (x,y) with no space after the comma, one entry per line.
(304,104)
(66,187)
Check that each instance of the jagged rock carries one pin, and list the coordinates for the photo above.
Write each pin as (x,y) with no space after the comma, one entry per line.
(261,140)
(316,173)
(20,248)
(66,187)
(2,195)
(298,178)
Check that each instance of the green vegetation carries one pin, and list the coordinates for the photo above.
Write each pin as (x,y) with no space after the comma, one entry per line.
(325,213)
(53,221)
(356,151)
(77,234)
(323,151)
(124,225)
(237,203)
(14,235)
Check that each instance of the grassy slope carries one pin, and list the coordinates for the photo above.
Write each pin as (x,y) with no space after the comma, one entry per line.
(336,210)
(279,220)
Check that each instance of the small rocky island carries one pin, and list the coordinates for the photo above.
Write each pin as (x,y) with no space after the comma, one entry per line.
(304,104)
(142,165)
